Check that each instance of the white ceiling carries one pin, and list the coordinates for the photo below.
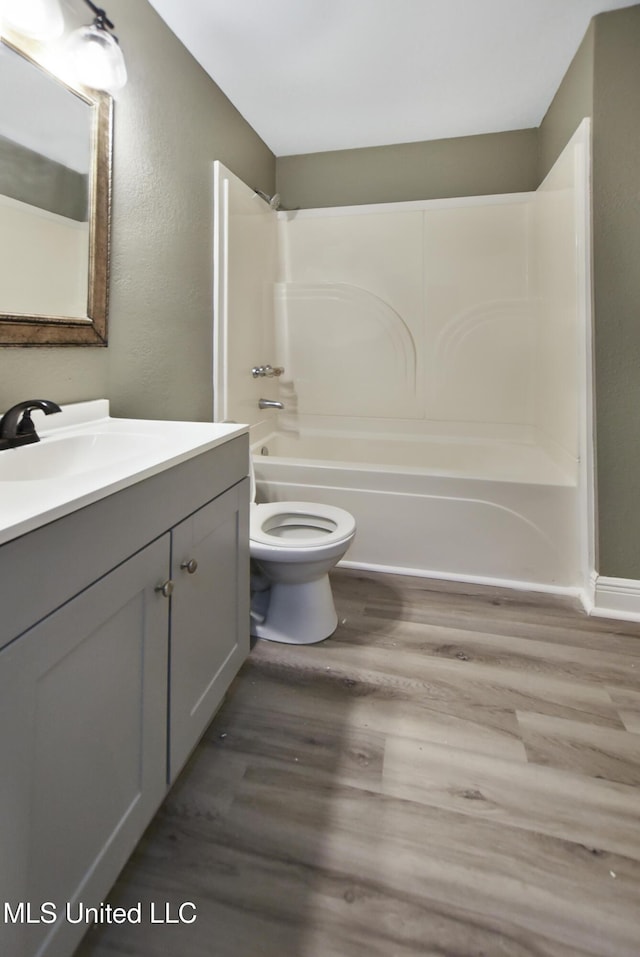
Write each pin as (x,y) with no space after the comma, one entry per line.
(313,75)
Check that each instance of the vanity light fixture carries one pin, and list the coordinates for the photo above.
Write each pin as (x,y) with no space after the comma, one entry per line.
(96,53)
(38,19)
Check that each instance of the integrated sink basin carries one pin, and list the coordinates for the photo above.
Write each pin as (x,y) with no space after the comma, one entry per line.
(84,455)
(64,456)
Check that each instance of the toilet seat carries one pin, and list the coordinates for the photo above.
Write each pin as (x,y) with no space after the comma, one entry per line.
(291,525)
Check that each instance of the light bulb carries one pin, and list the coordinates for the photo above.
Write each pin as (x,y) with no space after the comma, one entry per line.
(39,19)
(98,60)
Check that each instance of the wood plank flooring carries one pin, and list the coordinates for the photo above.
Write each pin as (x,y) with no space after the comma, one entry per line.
(455,773)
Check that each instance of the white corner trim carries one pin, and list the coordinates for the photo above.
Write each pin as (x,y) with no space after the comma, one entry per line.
(588,593)
(616,598)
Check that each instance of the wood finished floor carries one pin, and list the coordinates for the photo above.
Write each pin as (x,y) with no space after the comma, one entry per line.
(455,773)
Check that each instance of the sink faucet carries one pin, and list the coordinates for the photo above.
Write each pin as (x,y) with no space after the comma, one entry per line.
(16,427)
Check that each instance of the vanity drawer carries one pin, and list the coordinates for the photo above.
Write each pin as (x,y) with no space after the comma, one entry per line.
(42,570)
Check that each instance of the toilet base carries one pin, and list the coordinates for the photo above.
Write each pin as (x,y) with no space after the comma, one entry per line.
(295,614)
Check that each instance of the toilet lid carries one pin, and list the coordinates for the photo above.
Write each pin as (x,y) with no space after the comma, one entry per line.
(299,524)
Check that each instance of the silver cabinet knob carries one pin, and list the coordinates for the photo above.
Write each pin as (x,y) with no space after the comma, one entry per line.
(166,588)
(191,566)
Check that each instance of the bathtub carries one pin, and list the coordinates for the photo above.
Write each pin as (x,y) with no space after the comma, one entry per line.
(487,511)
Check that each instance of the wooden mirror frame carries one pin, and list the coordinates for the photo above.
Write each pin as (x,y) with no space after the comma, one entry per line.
(46,330)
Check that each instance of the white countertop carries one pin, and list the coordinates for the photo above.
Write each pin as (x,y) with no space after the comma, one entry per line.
(152,446)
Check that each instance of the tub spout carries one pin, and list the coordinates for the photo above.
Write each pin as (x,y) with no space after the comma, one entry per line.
(269,404)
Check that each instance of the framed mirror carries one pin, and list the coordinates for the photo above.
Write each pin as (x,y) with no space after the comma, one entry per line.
(55,203)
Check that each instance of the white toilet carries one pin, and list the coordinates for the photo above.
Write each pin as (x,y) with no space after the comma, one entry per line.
(293,546)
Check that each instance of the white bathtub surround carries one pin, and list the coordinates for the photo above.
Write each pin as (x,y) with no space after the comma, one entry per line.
(437,378)
(422,313)
(565,406)
(484,511)
(48,246)
(246,263)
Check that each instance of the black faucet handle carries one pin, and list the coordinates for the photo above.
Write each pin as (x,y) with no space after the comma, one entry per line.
(25,426)
(16,425)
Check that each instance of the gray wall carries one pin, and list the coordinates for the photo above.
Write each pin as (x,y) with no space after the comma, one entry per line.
(604,82)
(171,122)
(572,102)
(616,230)
(465,166)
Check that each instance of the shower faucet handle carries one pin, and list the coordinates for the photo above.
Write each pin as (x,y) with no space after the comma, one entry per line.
(268,371)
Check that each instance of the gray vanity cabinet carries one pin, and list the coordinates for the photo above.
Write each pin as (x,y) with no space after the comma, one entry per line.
(209,598)
(86,763)
(106,693)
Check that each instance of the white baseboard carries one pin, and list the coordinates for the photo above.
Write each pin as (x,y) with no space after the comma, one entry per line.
(615,598)
(604,597)
(568,591)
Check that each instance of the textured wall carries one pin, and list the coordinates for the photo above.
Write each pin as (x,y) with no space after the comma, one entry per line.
(572,102)
(171,122)
(616,230)
(604,81)
(465,166)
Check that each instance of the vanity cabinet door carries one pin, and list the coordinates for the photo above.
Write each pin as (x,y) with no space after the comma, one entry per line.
(83,750)
(209,616)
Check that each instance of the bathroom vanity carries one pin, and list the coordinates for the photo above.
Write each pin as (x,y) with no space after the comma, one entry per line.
(124,621)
